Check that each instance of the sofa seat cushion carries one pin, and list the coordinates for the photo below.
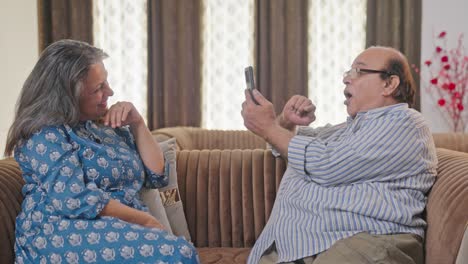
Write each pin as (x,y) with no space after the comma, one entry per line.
(223,255)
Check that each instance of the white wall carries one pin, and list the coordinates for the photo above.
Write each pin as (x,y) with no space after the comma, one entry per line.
(437,16)
(18,53)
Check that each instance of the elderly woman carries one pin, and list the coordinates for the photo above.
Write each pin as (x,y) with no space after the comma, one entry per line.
(84,164)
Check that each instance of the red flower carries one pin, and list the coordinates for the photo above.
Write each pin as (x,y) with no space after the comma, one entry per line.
(452,86)
(446,76)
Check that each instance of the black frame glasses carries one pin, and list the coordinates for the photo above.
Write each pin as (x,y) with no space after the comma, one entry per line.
(354,73)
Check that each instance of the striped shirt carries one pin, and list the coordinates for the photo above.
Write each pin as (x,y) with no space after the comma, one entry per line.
(369,174)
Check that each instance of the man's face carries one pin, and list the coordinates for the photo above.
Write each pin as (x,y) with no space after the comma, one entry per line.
(365,90)
(94,94)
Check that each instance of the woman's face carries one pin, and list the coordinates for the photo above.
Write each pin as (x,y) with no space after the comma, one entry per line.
(96,90)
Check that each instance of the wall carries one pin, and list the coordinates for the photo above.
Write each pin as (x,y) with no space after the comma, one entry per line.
(437,16)
(19,53)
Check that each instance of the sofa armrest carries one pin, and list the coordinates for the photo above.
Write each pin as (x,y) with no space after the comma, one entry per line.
(227,194)
(447,211)
(11,183)
(453,141)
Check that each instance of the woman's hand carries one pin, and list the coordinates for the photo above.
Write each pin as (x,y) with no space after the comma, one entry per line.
(152,222)
(129,214)
(121,114)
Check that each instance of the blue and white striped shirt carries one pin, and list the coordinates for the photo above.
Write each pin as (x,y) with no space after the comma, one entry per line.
(369,174)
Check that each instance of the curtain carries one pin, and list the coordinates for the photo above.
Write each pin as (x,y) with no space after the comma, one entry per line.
(281,52)
(174,63)
(397,23)
(59,19)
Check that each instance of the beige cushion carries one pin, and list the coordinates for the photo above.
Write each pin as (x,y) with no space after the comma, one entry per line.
(152,199)
(165,204)
(170,195)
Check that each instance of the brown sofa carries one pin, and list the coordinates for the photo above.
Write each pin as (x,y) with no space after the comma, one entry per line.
(228,182)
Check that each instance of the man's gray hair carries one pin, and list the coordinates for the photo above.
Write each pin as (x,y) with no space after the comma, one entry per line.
(50,94)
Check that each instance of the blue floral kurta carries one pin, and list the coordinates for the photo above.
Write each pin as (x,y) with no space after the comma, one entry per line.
(70,174)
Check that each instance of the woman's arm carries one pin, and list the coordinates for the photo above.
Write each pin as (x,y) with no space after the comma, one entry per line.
(129,214)
(124,113)
(150,152)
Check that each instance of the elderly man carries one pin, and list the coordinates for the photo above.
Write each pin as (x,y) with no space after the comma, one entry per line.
(354,192)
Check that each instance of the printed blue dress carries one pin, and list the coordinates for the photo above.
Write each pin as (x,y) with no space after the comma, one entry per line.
(70,174)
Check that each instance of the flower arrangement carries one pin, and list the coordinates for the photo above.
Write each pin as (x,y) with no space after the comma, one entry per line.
(447,81)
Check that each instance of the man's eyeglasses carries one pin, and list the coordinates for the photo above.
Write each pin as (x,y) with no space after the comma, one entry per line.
(354,73)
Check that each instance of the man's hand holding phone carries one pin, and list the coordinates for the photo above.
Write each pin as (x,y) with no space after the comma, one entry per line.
(250,81)
(260,118)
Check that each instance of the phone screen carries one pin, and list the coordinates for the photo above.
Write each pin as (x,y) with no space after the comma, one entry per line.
(250,81)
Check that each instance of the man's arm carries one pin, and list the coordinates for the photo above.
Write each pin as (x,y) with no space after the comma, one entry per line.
(277,131)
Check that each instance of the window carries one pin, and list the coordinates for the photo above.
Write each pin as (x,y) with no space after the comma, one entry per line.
(228,47)
(120,29)
(336,35)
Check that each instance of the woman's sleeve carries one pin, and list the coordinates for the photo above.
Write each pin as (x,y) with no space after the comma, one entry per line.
(152,180)
(156,180)
(50,164)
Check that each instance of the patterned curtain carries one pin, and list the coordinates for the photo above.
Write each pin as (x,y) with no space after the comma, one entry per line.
(228,47)
(120,29)
(336,35)
(60,19)
(300,47)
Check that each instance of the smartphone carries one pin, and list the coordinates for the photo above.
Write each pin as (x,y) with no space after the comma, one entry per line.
(250,81)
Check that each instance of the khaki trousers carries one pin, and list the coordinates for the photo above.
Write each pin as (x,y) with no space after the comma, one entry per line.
(363,248)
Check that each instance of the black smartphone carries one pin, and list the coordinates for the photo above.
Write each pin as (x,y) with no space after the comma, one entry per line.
(250,81)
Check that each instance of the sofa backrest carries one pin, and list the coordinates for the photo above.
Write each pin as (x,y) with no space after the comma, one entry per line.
(453,141)
(200,138)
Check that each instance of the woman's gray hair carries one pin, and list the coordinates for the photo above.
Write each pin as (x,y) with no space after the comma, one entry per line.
(50,94)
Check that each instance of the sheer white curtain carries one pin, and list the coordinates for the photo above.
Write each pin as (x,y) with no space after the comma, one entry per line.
(228,47)
(337,34)
(120,29)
